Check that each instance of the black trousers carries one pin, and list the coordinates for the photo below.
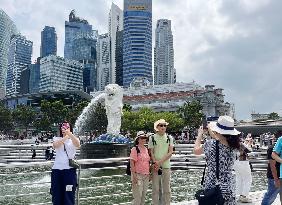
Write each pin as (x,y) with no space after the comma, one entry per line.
(63,186)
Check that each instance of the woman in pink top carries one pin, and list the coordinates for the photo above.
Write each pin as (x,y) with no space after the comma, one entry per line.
(140,169)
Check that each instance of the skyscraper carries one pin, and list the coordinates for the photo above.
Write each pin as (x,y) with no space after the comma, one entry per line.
(164,72)
(119,58)
(85,53)
(19,58)
(48,42)
(24,81)
(7,29)
(74,27)
(59,74)
(115,25)
(137,41)
(103,60)
(34,76)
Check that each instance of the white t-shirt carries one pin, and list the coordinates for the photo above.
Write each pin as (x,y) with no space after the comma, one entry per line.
(61,159)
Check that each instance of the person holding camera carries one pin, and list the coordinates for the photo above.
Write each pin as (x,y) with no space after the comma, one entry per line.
(223,145)
(140,169)
(161,149)
(63,175)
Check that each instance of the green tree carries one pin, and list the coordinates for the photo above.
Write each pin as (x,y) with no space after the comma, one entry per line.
(97,119)
(273,116)
(144,120)
(6,119)
(43,123)
(130,121)
(76,110)
(56,112)
(24,116)
(127,107)
(176,122)
(191,112)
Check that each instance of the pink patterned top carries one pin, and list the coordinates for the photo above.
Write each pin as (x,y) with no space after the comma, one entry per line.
(142,160)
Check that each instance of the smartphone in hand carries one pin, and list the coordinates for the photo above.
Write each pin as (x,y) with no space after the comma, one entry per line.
(205,123)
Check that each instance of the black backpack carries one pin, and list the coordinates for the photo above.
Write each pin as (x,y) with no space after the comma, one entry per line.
(155,143)
(167,140)
(128,171)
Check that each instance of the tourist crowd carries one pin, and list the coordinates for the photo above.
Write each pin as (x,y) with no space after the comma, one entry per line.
(227,173)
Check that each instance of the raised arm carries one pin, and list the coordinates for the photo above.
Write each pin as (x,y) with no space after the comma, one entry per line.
(198,149)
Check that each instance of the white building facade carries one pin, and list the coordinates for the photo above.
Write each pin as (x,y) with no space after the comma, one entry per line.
(59,74)
(169,97)
(103,61)
(115,25)
(19,57)
(164,72)
(7,29)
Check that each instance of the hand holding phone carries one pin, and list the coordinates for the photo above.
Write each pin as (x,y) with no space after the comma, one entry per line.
(205,123)
(65,126)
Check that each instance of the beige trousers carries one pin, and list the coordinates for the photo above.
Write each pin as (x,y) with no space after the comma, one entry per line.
(139,190)
(165,188)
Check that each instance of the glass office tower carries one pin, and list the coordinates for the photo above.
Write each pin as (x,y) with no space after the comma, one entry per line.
(48,42)
(164,72)
(74,27)
(137,41)
(7,29)
(19,58)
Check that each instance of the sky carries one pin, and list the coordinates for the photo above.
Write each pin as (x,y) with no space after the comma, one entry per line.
(232,44)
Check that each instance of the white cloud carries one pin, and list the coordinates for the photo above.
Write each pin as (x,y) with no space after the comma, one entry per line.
(233,44)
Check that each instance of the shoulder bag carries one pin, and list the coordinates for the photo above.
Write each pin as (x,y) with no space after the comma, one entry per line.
(72,162)
(211,196)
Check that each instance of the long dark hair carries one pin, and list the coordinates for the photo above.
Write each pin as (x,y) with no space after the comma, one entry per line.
(233,141)
(60,128)
(278,134)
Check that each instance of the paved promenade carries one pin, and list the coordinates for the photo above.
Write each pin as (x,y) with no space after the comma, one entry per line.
(255,196)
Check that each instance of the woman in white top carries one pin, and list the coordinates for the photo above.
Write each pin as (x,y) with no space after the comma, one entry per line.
(63,177)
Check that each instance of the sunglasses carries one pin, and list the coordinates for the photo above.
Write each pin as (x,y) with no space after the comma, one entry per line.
(143,138)
(162,125)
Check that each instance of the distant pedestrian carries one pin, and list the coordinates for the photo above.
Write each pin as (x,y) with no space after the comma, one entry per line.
(47,153)
(273,174)
(33,154)
(243,173)
(51,155)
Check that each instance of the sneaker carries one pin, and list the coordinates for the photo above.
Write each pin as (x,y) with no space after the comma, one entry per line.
(244,199)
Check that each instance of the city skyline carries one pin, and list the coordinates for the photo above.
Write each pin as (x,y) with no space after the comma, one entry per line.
(234,45)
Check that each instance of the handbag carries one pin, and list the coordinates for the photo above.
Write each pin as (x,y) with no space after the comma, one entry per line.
(211,196)
(72,163)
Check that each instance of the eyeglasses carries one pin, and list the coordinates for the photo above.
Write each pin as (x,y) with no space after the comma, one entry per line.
(143,138)
(162,125)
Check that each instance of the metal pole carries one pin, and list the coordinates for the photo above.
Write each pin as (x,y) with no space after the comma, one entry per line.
(78,184)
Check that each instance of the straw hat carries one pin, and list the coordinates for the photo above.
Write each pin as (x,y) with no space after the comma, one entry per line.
(160,121)
(224,126)
(140,134)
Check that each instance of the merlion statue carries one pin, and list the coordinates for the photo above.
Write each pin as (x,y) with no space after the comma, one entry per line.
(113,105)
(112,95)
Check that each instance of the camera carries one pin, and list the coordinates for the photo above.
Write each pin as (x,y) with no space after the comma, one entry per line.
(205,123)
(160,171)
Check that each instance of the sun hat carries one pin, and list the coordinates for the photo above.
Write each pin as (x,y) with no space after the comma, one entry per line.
(224,126)
(160,121)
(140,134)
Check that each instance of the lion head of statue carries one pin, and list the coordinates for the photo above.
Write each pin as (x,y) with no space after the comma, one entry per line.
(113,91)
